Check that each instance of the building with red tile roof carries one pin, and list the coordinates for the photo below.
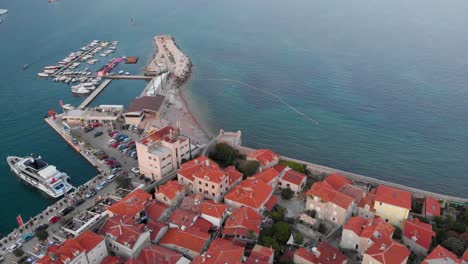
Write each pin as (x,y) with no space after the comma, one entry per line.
(131,205)
(157,211)
(162,152)
(441,255)
(241,223)
(202,225)
(123,237)
(170,193)
(279,168)
(366,205)
(392,204)
(329,203)
(392,253)
(157,230)
(88,247)
(132,261)
(154,254)
(182,218)
(269,176)
(418,236)
(190,243)
(192,202)
(324,253)
(351,233)
(221,251)
(214,212)
(293,180)
(251,193)
(266,157)
(355,192)
(431,207)
(112,260)
(337,181)
(261,255)
(271,203)
(204,176)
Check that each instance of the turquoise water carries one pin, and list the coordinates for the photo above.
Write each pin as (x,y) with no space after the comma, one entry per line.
(386,82)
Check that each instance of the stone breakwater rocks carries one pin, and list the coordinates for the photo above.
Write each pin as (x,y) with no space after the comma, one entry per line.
(169,57)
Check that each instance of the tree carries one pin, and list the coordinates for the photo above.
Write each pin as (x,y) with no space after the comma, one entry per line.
(251,235)
(287,193)
(282,232)
(42,235)
(298,238)
(248,168)
(124,182)
(276,216)
(455,245)
(224,154)
(397,233)
(268,241)
(18,252)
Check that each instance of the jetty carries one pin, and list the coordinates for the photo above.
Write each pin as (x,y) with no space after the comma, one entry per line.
(129,77)
(95,93)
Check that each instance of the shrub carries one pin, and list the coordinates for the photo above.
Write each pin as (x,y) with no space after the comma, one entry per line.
(287,193)
(298,238)
(224,155)
(294,165)
(18,252)
(248,168)
(42,235)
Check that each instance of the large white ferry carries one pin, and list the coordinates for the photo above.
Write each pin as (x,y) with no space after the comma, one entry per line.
(41,175)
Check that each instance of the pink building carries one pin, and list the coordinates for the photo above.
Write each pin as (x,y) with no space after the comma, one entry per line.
(162,152)
(205,177)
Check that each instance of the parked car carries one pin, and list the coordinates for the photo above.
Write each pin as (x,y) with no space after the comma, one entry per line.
(41,227)
(115,165)
(79,202)
(28,236)
(87,129)
(94,124)
(101,185)
(97,134)
(135,170)
(115,170)
(90,194)
(112,141)
(14,246)
(54,219)
(67,210)
(110,178)
(75,141)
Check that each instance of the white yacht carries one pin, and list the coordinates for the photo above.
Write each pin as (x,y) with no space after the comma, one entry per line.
(3,11)
(68,107)
(80,90)
(43,74)
(41,175)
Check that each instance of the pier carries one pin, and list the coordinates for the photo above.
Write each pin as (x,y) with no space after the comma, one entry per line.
(75,60)
(95,93)
(129,77)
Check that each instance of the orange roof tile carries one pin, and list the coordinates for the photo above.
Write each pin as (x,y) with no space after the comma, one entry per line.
(267,175)
(294,177)
(183,217)
(234,175)
(419,230)
(352,191)
(279,168)
(192,202)
(241,221)
(368,200)
(263,156)
(154,254)
(260,255)
(89,240)
(112,260)
(392,253)
(155,227)
(328,194)
(270,204)
(325,254)
(206,169)
(337,181)
(393,196)
(250,192)
(131,204)
(442,255)
(465,256)
(202,225)
(122,229)
(190,239)
(221,251)
(213,209)
(167,134)
(432,206)
(377,229)
(62,252)
(355,224)
(133,261)
(155,210)
(210,174)
(171,189)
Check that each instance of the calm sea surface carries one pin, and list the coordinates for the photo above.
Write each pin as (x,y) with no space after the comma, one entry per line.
(377,88)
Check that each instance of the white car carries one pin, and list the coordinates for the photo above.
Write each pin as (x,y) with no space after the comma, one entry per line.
(135,170)
(110,178)
(14,246)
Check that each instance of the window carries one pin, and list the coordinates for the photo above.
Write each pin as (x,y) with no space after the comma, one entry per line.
(200,190)
(199,182)
(213,194)
(212,186)
(206,184)
(380,203)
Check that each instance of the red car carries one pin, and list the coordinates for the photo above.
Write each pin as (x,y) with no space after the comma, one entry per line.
(54,219)
(115,144)
(94,124)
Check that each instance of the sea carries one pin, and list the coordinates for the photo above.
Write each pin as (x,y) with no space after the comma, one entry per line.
(379,88)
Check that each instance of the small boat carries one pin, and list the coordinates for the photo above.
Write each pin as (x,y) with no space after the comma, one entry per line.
(80,90)
(121,72)
(43,74)
(52,67)
(25,66)
(3,11)
(127,73)
(68,107)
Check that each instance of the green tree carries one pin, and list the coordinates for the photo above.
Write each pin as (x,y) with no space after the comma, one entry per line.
(124,182)
(455,245)
(298,238)
(248,168)
(397,233)
(287,193)
(224,154)
(276,216)
(42,235)
(268,241)
(251,234)
(282,232)
(18,252)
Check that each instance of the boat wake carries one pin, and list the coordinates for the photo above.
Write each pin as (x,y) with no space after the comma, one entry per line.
(279,98)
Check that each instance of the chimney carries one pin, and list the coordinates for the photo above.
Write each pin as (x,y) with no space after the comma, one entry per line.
(207,163)
(334,256)
(383,246)
(316,252)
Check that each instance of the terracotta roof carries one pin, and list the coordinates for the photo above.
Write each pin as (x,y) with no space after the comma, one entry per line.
(326,254)
(369,200)
(155,210)
(154,254)
(465,255)
(279,168)
(131,204)
(328,194)
(213,209)
(422,232)
(356,224)
(250,192)
(260,255)
(202,225)
(183,217)
(221,251)
(337,181)
(270,204)
(112,260)
(352,191)
(133,261)
(89,240)
(263,156)
(167,134)
(206,169)
(62,252)
(392,253)
(293,177)
(432,206)
(192,202)
(147,103)
(241,221)
(378,230)
(210,174)
(170,189)
(191,239)
(267,175)
(234,175)
(122,229)
(442,255)
(155,227)
(393,196)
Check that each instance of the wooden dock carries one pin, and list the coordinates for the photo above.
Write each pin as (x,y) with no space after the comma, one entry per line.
(129,77)
(95,93)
